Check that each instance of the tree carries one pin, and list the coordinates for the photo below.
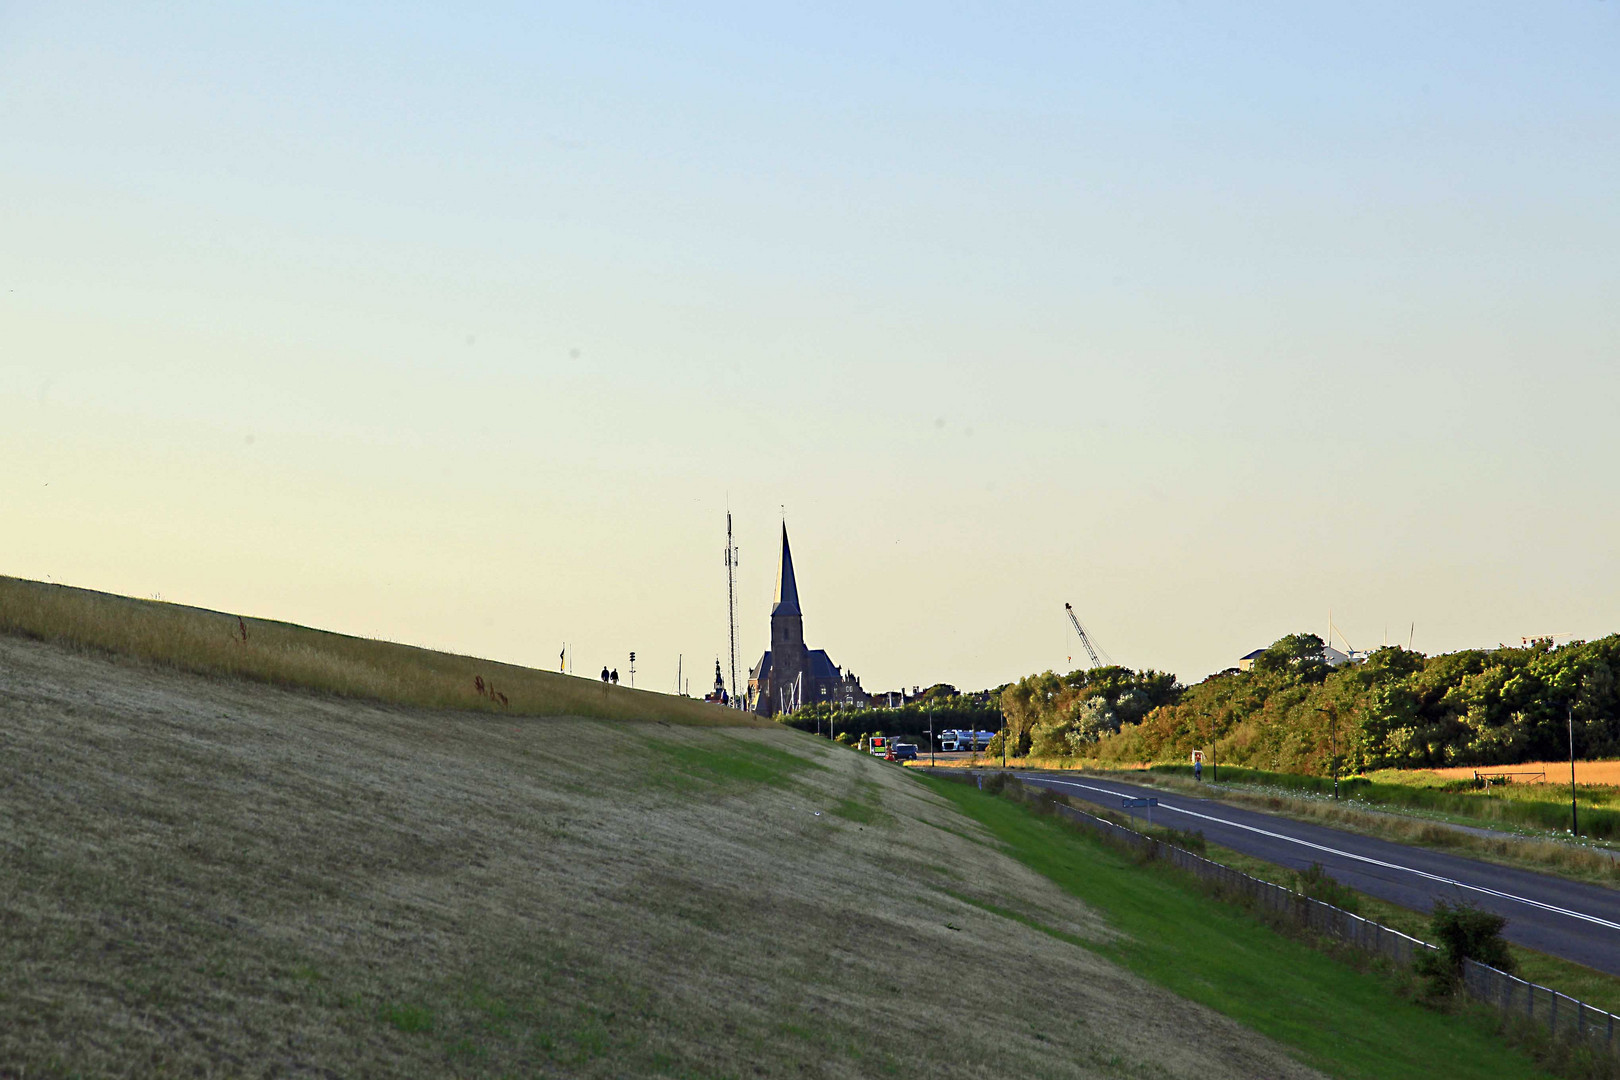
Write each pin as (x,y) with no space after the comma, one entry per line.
(1299,655)
(1463,932)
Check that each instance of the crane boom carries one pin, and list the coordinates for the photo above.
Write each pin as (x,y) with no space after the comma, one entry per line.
(1084,639)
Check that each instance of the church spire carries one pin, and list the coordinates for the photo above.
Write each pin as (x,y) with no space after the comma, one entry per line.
(787,589)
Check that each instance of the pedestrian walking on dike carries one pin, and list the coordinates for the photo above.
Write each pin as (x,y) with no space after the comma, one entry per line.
(1198,770)
(604,673)
(615,676)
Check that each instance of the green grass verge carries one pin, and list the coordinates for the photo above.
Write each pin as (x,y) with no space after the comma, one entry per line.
(730,763)
(1596,988)
(1346,1022)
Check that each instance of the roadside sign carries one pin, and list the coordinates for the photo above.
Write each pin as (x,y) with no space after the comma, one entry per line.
(1198,757)
(1149,803)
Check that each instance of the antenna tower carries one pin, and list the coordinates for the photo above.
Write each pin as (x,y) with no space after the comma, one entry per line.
(731,601)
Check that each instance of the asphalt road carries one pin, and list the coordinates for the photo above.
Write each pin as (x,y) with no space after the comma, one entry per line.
(1574,920)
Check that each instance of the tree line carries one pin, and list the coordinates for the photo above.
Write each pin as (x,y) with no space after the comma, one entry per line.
(941,706)
(1396,709)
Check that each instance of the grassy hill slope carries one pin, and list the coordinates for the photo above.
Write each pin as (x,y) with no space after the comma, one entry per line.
(216,643)
(224,877)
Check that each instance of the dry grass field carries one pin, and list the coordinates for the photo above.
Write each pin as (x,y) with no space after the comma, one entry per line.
(216,643)
(210,876)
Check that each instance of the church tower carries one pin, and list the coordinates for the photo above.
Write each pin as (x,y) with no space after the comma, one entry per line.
(789,659)
(790,675)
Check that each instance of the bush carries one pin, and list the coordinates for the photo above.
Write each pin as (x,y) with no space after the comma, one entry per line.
(1316,883)
(1463,932)
(1182,838)
(1002,783)
(1046,801)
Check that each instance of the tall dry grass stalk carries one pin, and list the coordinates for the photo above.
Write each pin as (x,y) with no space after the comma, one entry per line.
(214,643)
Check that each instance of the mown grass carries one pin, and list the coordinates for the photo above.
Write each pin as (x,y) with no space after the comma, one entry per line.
(283,654)
(724,763)
(1596,988)
(1344,1021)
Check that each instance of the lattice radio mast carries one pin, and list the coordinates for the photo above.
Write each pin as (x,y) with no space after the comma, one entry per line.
(731,601)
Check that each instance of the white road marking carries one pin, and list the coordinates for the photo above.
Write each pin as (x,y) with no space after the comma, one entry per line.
(1345,854)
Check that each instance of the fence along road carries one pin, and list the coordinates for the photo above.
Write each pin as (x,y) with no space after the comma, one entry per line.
(1571,919)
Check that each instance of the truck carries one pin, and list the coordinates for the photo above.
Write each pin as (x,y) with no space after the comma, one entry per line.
(954,740)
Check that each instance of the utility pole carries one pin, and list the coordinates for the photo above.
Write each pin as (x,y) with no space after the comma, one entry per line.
(1574,821)
(930,735)
(1333,716)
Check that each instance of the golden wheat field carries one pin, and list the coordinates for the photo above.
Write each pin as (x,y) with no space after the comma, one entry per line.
(1592,773)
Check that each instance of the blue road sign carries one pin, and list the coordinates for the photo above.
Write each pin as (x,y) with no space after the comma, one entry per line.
(1149,803)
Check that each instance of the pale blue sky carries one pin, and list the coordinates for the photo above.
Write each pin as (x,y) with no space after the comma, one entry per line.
(460,325)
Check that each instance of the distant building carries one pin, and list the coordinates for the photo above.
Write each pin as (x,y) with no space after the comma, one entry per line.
(790,675)
(1332,656)
(718,695)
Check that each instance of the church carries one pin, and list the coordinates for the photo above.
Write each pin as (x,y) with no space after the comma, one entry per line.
(790,675)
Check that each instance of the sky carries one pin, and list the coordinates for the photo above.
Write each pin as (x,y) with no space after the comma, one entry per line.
(464,325)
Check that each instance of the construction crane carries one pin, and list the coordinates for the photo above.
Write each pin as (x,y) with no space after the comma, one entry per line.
(1085,639)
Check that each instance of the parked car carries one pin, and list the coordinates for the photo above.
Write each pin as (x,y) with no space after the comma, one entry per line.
(905,751)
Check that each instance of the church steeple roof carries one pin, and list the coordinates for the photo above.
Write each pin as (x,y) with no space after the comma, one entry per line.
(787,589)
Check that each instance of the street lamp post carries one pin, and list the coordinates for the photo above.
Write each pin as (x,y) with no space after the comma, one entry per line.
(1574,820)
